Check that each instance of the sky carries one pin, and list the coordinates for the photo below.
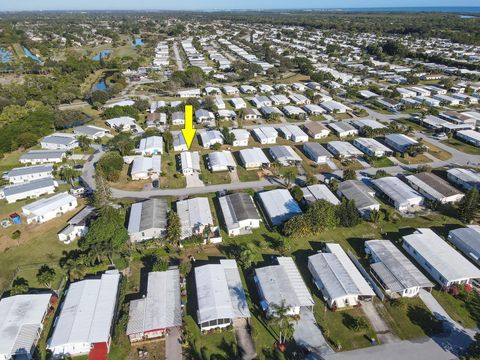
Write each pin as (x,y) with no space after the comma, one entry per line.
(21,5)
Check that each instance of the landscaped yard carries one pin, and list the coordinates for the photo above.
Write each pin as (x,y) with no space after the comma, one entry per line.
(414,160)
(248,175)
(381,162)
(465,311)
(461,146)
(213,178)
(171,178)
(437,152)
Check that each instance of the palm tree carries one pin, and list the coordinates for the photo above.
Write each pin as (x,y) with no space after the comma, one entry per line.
(282,320)
(276,167)
(68,173)
(289,177)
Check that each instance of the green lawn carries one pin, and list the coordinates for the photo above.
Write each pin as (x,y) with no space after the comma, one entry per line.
(381,162)
(461,146)
(466,311)
(247,175)
(213,178)
(419,159)
(411,320)
(171,178)
(10,160)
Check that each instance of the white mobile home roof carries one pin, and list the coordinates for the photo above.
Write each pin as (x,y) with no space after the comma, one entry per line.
(87,312)
(441,256)
(146,164)
(253,155)
(283,282)
(317,192)
(433,185)
(359,192)
(20,319)
(151,142)
(194,212)
(148,215)
(190,160)
(237,207)
(467,240)
(401,140)
(396,189)
(344,148)
(395,269)
(342,126)
(221,159)
(374,124)
(160,309)
(43,154)
(28,170)
(27,187)
(338,274)
(284,153)
(265,132)
(46,205)
(220,293)
(279,205)
(372,144)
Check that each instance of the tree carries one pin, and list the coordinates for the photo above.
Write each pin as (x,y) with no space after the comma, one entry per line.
(468,207)
(122,143)
(349,174)
(110,166)
(174,229)
(320,216)
(288,175)
(46,275)
(68,174)
(297,193)
(282,320)
(19,286)
(473,351)
(348,214)
(74,263)
(106,236)
(375,216)
(160,264)
(228,135)
(102,198)
(84,142)
(246,256)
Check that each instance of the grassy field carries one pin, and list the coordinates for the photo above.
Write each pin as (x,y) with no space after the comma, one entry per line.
(414,160)
(437,152)
(248,175)
(171,177)
(465,311)
(410,320)
(213,178)
(381,162)
(10,160)
(461,146)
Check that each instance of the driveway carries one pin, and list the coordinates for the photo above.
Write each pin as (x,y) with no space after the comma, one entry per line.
(245,343)
(383,331)
(234,176)
(307,333)
(173,345)
(194,181)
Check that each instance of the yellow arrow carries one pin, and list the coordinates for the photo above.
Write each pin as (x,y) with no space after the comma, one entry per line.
(188,131)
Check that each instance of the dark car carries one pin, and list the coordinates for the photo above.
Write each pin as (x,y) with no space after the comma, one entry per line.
(156,184)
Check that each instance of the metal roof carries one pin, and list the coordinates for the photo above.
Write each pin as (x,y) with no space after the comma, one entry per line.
(396,189)
(374,124)
(468,240)
(279,205)
(253,155)
(190,160)
(220,293)
(87,313)
(150,214)
(58,140)
(27,170)
(284,153)
(221,159)
(82,215)
(52,203)
(237,207)
(21,319)
(433,185)
(292,130)
(357,191)
(371,144)
(160,309)
(344,148)
(283,282)
(43,154)
(342,126)
(316,192)
(155,142)
(89,130)
(338,274)
(401,140)
(393,268)
(146,164)
(466,175)
(316,149)
(193,213)
(441,256)
(29,186)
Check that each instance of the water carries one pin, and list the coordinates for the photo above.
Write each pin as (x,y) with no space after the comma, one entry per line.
(5,56)
(31,55)
(138,42)
(101,85)
(102,55)
(469,17)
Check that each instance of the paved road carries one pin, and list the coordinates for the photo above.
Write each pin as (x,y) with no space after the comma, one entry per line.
(173,345)
(383,331)
(178,58)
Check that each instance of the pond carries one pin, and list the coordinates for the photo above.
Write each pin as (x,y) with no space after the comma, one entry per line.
(138,42)
(5,56)
(31,55)
(101,85)
(102,55)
